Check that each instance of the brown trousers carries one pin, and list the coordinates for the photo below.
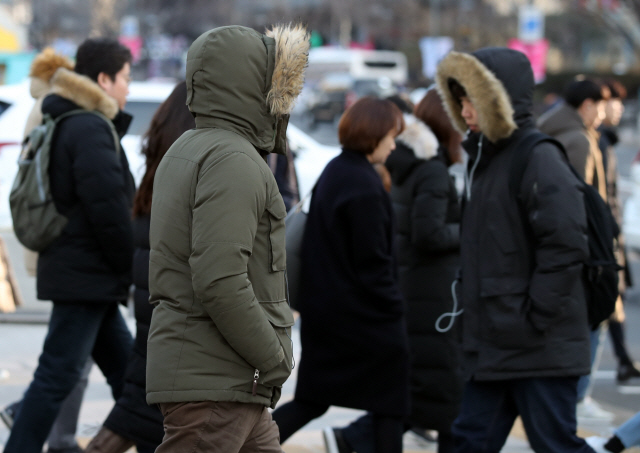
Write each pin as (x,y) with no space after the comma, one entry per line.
(224,427)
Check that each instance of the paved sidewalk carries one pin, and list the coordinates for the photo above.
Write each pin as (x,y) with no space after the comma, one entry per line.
(22,335)
(20,346)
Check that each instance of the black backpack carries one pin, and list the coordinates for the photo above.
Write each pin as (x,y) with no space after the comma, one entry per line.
(600,272)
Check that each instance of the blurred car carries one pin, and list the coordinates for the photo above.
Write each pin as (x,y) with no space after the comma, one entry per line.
(336,92)
(631,212)
(310,157)
(16,103)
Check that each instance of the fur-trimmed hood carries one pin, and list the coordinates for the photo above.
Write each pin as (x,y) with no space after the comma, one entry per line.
(247,82)
(84,92)
(43,67)
(419,138)
(416,144)
(498,81)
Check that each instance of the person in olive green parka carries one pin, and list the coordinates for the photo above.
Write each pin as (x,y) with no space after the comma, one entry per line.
(220,333)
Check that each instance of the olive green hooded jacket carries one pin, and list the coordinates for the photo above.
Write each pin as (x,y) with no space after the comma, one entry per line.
(221,327)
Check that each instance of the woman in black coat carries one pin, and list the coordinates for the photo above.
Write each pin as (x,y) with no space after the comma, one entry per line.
(425,202)
(132,421)
(353,331)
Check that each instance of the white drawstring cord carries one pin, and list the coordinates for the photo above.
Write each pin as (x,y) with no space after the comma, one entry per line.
(451,314)
(468,177)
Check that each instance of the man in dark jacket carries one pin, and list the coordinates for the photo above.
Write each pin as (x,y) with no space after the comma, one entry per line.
(573,123)
(614,108)
(524,325)
(86,272)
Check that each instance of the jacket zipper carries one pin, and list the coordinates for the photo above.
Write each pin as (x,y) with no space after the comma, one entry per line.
(256,375)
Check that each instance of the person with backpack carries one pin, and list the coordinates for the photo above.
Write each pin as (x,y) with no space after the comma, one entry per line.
(573,123)
(62,438)
(524,326)
(86,269)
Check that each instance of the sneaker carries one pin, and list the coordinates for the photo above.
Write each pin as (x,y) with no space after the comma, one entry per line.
(8,414)
(334,442)
(597,443)
(627,371)
(426,435)
(589,411)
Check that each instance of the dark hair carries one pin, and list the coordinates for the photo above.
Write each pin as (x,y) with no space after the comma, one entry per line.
(431,111)
(96,55)
(457,91)
(169,122)
(617,89)
(366,123)
(403,103)
(578,91)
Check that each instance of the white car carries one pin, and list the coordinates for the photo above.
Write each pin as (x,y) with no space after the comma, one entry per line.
(16,103)
(311,158)
(631,212)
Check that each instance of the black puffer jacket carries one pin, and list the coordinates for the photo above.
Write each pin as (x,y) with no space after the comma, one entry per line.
(131,417)
(93,187)
(426,206)
(524,307)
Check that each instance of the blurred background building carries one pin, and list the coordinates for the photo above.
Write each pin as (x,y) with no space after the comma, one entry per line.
(598,37)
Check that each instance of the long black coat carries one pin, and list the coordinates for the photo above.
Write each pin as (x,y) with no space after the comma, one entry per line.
(353,332)
(93,188)
(522,253)
(425,202)
(131,416)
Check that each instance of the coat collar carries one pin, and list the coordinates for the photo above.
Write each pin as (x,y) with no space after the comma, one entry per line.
(84,92)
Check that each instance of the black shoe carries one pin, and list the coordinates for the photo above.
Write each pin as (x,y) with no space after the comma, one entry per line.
(8,414)
(334,442)
(627,371)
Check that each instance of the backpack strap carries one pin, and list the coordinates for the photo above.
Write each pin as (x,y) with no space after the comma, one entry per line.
(523,149)
(114,133)
(522,153)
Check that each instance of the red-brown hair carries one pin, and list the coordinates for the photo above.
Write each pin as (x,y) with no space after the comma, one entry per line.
(364,124)
(430,110)
(169,122)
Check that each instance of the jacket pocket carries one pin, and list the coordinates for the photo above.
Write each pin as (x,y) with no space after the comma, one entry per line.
(277,254)
(281,319)
(506,306)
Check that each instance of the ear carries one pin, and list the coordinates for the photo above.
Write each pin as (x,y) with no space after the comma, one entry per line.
(104,81)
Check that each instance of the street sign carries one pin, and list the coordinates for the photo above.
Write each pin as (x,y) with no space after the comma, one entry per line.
(530,24)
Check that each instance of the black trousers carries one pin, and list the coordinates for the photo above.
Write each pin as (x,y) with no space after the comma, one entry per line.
(547,407)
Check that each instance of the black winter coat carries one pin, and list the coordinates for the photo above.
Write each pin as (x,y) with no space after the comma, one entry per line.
(524,307)
(92,186)
(131,417)
(426,206)
(353,332)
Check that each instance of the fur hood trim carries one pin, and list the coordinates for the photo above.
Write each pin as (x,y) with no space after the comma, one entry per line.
(83,91)
(485,91)
(419,138)
(292,54)
(43,67)
(38,88)
(47,62)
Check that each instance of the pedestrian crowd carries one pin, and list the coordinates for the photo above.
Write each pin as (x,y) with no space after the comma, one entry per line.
(429,311)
